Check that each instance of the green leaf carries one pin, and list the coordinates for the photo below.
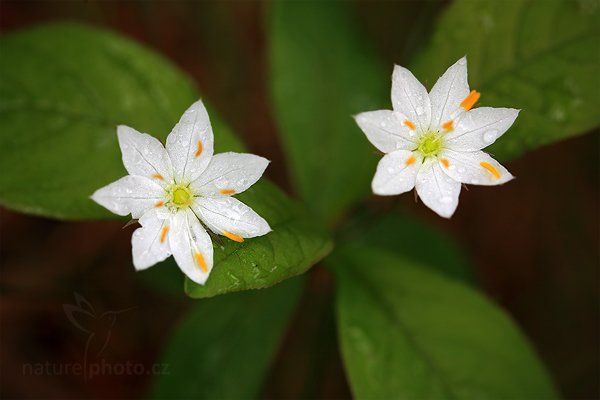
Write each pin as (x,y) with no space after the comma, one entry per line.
(415,240)
(408,332)
(63,91)
(295,244)
(539,56)
(322,73)
(224,346)
(64,88)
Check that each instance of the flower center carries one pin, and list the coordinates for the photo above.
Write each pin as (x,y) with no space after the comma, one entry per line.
(430,143)
(180,196)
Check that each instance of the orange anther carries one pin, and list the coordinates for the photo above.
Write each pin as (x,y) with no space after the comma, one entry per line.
(227,191)
(491,169)
(163,234)
(470,100)
(199,148)
(233,237)
(445,162)
(159,204)
(201,262)
(158,176)
(410,160)
(410,125)
(448,126)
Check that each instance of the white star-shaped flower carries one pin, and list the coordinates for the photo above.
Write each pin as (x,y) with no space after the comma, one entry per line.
(433,140)
(176,190)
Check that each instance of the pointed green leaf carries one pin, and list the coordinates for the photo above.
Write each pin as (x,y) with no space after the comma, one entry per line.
(415,240)
(408,332)
(539,56)
(322,73)
(295,244)
(63,90)
(224,346)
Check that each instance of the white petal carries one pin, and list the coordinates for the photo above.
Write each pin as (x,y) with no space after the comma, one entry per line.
(149,243)
(386,130)
(226,214)
(476,168)
(396,173)
(437,190)
(410,97)
(448,92)
(480,127)
(191,246)
(144,155)
(230,173)
(130,194)
(190,143)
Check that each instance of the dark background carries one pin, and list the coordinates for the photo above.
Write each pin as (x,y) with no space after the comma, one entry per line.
(533,242)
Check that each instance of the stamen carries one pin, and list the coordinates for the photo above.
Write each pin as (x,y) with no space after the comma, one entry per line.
(199,149)
(159,204)
(201,262)
(445,162)
(491,169)
(448,126)
(227,191)
(158,176)
(410,125)
(163,234)
(410,160)
(470,100)
(233,237)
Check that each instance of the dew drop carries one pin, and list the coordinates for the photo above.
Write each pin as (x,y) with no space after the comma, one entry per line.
(490,136)
(420,110)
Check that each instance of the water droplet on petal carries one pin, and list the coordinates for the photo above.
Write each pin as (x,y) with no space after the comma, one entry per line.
(490,136)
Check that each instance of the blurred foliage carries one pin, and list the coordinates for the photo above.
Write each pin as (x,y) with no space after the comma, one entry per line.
(224,346)
(65,88)
(321,73)
(407,332)
(539,56)
(418,242)
(409,325)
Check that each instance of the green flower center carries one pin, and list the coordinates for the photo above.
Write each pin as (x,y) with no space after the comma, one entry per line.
(430,143)
(180,196)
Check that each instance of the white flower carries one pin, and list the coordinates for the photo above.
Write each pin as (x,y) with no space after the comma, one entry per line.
(174,191)
(433,140)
